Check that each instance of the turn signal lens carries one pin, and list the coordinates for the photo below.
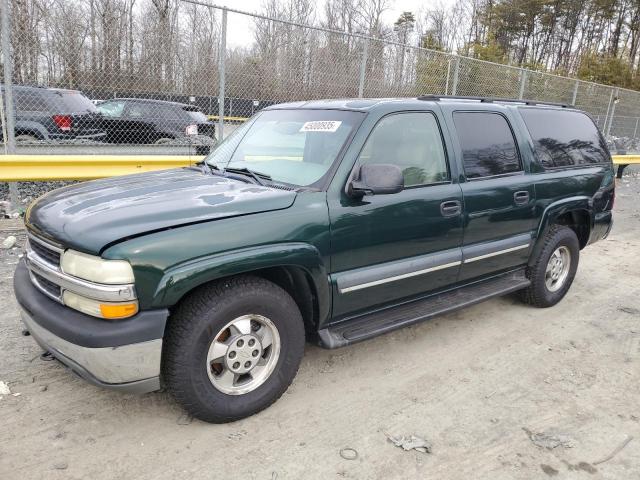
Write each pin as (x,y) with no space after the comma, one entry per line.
(122,310)
(96,308)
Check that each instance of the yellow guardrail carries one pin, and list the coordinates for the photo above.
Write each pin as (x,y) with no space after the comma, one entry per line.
(20,168)
(626,159)
(23,168)
(228,119)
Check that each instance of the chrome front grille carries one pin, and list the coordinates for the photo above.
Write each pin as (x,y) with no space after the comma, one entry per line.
(46,286)
(45,252)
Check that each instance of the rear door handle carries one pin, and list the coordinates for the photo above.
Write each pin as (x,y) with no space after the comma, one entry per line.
(521,197)
(450,208)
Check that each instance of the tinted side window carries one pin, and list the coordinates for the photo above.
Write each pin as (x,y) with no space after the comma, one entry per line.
(564,138)
(413,142)
(27,101)
(142,110)
(488,146)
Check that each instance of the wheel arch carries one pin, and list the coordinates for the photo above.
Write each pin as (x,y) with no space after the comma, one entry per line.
(35,129)
(296,268)
(574,212)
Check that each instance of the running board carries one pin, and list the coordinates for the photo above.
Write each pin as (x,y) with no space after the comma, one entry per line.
(398,316)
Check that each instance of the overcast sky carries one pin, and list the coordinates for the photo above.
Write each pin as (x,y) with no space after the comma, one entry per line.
(240,27)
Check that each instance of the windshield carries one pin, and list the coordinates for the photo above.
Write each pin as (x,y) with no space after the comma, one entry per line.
(291,146)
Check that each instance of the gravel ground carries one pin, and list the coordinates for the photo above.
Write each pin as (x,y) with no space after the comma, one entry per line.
(500,390)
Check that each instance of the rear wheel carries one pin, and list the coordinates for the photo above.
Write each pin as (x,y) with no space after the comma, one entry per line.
(163,141)
(25,138)
(555,268)
(232,348)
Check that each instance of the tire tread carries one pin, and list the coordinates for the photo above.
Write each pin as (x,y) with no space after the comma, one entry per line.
(184,320)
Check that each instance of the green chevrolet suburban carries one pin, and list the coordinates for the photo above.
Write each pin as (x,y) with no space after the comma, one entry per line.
(324,221)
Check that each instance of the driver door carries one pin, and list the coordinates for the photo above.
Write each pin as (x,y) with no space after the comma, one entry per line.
(386,248)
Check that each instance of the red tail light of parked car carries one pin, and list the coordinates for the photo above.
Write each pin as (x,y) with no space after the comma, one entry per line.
(63,122)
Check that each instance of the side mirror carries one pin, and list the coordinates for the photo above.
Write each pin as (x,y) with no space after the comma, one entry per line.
(376,179)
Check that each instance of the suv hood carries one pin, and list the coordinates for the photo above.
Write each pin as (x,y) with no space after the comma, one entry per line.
(92,215)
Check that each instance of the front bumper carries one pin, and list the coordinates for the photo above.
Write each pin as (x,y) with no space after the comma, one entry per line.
(123,355)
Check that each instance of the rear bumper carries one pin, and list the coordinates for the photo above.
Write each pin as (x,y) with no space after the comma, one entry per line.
(602,224)
(123,355)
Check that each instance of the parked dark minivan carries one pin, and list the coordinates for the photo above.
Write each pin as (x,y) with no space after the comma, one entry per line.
(144,121)
(54,114)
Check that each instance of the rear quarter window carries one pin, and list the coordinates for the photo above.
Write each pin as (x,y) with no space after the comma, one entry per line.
(488,145)
(564,138)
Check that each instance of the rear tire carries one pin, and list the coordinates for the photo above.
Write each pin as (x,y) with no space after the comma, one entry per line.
(555,268)
(25,138)
(223,387)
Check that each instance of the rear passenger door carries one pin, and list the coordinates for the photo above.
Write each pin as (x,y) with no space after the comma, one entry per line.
(499,196)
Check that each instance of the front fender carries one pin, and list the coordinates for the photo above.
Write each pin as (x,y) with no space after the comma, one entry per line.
(184,277)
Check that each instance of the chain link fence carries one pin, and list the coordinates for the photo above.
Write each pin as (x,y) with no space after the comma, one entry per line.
(161,76)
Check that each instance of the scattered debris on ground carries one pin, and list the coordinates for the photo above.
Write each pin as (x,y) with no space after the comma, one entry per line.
(4,389)
(349,453)
(550,439)
(9,242)
(616,451)
(412,442)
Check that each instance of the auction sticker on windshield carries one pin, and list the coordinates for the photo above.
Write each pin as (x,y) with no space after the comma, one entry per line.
(321,126)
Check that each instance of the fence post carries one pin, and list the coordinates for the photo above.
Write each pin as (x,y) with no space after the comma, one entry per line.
(606,115)
(363,67)
(523,83)
(446,84)
(222,54)
(10,140)
(456,73)
(635,130)
(613,110)
(575,93)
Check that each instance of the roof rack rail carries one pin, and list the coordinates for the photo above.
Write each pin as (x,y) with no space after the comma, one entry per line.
(435,98)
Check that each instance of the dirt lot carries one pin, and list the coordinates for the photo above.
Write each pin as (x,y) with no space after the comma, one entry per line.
(478,384)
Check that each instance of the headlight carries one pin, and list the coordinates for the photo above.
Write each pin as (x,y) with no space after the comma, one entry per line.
(97,308)
(96,269)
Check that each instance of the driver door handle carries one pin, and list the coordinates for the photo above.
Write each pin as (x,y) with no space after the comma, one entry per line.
(450,208)
(521,197)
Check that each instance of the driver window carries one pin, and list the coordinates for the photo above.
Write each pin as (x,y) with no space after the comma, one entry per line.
(411,141)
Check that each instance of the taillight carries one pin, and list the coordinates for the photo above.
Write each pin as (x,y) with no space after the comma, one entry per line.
(63,122)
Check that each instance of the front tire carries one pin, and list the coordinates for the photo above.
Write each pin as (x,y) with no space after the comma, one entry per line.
(555,268)
(232,348)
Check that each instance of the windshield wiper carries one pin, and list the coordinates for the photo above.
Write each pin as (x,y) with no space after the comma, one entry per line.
(257,176)
(212,169)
